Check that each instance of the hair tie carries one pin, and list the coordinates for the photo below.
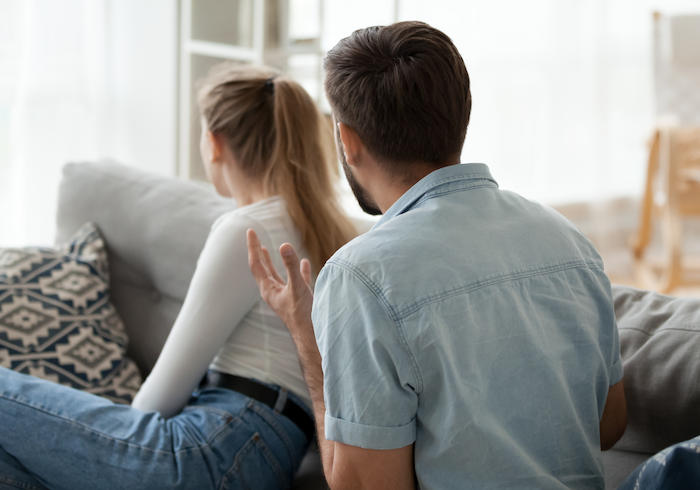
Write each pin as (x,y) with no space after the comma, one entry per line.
(270,86)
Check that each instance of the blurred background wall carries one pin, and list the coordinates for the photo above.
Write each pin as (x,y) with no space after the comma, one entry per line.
(80,80)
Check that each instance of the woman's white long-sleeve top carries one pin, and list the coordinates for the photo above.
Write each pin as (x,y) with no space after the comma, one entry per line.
(224,324)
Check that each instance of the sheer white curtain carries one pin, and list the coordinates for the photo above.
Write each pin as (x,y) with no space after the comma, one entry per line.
(80,79)
(52,92)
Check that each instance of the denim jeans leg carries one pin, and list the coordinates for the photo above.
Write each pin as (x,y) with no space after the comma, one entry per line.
(272,449)
(69,439)
(14,476)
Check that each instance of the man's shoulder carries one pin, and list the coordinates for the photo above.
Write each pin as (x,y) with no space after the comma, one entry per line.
(368,254)
(455,242)
(367,246)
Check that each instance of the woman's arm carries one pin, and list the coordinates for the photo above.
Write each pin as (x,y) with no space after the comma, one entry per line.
(222,291)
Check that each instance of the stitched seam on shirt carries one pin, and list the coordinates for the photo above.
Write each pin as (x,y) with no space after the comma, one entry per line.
(454,178)
(467,185)
(431,195)
(398,323)
(501,278)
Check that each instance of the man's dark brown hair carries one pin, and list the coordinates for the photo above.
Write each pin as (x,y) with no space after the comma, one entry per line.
(404,89)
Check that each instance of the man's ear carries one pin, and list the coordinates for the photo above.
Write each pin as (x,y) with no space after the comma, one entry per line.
(352,145)
(216,143)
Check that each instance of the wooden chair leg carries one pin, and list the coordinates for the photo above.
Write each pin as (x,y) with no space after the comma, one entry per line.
(644,235)
(672,239)
(671,218)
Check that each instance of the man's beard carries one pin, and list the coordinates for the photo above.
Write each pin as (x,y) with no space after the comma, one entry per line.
(363,198)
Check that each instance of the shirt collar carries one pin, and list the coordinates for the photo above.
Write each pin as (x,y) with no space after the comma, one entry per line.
(436,178)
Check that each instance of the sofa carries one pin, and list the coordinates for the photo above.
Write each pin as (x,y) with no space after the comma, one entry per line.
(155,228)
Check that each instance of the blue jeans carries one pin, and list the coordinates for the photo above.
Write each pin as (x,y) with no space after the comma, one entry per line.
(59,438)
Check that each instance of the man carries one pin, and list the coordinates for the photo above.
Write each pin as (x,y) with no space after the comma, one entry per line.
(468,340)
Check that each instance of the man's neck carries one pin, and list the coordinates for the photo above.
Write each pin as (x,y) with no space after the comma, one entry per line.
(391,189)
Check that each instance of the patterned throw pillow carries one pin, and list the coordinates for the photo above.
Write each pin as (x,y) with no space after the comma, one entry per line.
(56,320)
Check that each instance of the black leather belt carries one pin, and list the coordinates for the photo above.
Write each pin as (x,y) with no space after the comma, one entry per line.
(263,394)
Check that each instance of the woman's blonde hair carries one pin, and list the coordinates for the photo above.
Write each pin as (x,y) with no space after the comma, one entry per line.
(276,133)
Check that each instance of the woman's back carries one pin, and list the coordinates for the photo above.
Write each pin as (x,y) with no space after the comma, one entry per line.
(261,347)
(224,324)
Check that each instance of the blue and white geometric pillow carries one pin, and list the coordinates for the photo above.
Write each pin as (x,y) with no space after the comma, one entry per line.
(56,320)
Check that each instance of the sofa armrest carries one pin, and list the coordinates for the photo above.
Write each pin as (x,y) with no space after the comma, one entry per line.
(660,347)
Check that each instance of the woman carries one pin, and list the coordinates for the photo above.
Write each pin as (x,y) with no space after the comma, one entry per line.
(249,422)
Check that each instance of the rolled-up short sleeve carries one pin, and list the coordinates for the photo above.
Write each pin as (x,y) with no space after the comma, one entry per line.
(369,380)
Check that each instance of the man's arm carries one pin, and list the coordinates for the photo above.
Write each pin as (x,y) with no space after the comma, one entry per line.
(345,466)
(348,466)
(614,420)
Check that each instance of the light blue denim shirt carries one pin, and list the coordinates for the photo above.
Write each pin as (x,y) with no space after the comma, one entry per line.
(476,324)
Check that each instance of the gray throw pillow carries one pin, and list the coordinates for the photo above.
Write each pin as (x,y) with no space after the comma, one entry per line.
(57,321)
(660,347)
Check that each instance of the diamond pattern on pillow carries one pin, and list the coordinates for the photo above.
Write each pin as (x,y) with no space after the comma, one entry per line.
(56,320)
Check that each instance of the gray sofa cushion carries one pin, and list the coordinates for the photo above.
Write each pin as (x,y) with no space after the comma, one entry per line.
(660,346)
(155,228)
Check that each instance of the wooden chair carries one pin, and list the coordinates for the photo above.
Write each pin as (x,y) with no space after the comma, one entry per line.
(672,191)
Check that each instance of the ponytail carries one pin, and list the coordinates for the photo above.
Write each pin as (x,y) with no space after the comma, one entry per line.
(303,172)
(276,133)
